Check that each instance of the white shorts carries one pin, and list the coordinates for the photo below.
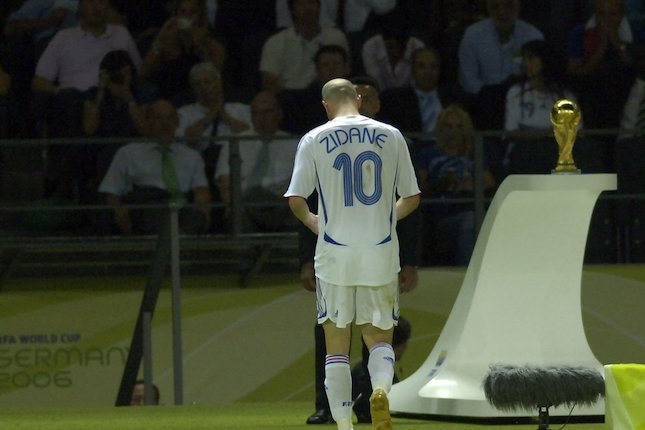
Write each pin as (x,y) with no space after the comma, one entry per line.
(341,304)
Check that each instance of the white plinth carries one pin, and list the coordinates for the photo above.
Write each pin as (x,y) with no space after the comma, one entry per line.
(520,299)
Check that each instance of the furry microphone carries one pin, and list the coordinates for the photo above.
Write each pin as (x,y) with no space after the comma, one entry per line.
(509,387)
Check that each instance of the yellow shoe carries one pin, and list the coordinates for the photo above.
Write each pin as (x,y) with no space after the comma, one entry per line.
(380,409)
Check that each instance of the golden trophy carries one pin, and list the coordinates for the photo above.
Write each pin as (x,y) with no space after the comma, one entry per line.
(565,117)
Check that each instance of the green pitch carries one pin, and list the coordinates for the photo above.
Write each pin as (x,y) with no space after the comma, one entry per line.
(248,353)
(242,416)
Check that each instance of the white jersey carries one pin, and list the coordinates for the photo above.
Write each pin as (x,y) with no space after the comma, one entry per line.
(358,166)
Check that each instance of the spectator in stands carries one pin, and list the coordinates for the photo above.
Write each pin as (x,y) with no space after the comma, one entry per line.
(26,34)
(445,170)
(155,172)
(234,19)
(68,67)
(265,169)
(490,51)
(40,19)
(415,108)
(529,102)
(328,14)
(386,56)
(301,107)
(209,116)
(361,383)
(368,89)
(61,68)
(446,24)
(113,109)
(287,56)
(362,19)
(490,54)
(184,40)
(144,19)
(600,63)
(139,394)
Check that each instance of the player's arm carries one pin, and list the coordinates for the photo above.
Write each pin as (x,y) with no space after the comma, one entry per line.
(408,232)
(406,205)
(300,209)
(306,251)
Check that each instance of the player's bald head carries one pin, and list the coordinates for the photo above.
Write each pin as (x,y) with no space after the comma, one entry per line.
(338,90)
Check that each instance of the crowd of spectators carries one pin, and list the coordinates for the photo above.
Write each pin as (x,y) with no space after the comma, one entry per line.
(94,68)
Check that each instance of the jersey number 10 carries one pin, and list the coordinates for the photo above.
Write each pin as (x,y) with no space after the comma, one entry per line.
(353,177)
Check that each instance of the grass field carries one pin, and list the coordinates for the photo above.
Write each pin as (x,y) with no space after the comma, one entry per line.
(231,381)
(242,416)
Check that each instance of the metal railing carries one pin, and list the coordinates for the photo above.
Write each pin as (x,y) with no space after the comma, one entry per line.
(479,200)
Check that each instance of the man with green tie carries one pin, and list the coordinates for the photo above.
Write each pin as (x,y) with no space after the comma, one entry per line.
(160,171)
(265,169)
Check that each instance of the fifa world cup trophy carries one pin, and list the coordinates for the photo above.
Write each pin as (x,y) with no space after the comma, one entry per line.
(565,117)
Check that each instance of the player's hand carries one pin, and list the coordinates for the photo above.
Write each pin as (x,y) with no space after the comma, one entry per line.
(408,279)
(308,276)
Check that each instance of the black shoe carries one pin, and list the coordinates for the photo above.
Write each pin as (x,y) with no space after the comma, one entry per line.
(321,416)
(363,419)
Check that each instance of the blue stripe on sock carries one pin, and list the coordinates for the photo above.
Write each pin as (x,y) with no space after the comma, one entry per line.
(337,359)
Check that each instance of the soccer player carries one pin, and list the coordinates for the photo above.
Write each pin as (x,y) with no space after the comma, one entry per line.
(358,166)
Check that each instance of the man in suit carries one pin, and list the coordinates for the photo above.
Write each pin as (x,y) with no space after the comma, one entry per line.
(415,108)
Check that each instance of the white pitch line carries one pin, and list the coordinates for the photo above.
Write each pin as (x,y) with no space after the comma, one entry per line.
(298,391)
(613,324)
(225,330)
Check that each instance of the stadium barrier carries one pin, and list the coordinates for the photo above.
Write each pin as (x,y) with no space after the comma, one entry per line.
(615,238)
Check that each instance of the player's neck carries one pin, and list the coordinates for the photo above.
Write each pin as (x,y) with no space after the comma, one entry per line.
(346,110)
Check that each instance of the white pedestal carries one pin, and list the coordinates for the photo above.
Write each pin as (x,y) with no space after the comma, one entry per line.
(520,299)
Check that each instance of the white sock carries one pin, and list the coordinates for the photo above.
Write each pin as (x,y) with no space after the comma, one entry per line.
(338,386)
(381,366)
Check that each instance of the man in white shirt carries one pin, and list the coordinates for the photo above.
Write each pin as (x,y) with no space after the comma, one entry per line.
(491,49)
(139,174)
(288,56)
(266,163)
(357,165)
(210,115)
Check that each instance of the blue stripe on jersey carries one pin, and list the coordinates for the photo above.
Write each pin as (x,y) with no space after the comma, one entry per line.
(322,198)
(328,239)
(386,240)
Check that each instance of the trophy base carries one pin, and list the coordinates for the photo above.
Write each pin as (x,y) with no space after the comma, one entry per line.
(566,169)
